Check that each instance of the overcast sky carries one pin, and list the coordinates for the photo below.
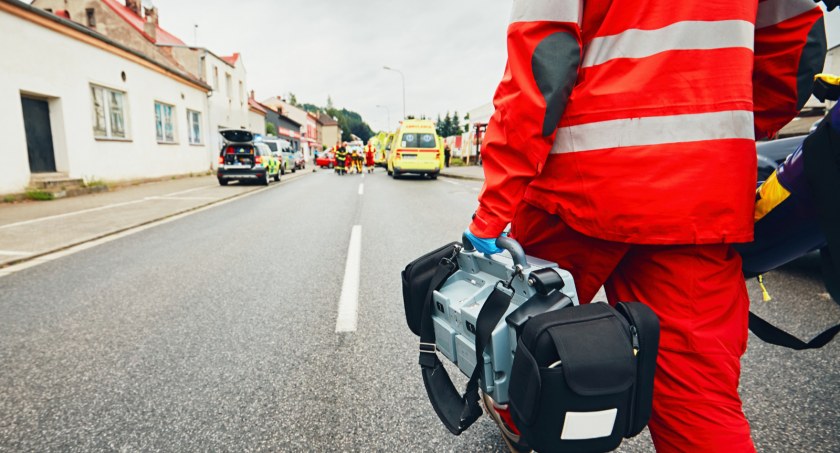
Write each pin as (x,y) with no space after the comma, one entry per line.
(451,52)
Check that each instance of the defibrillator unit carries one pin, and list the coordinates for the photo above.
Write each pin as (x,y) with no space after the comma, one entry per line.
(574,377)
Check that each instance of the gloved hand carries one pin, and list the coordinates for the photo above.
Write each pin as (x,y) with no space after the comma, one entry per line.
(483,245)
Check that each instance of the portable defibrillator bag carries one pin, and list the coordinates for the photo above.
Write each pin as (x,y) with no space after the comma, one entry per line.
(582,377)
(421,277)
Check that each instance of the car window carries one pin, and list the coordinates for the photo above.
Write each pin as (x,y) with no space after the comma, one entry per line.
(413,140)
(271,145)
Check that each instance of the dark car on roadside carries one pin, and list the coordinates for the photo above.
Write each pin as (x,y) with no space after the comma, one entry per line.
(243,159)
(772,153)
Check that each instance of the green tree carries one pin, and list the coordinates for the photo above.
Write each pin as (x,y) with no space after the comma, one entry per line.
(447,126)
(293,99)
(439,126)
(456,124)
(270,129)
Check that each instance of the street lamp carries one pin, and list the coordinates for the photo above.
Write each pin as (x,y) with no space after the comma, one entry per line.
(389,114)
(403,84)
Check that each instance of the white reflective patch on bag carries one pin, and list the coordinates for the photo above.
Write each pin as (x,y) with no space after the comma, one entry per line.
(588,425)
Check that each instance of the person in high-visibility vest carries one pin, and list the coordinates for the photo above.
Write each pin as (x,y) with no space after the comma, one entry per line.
(622,148)
(340,158)
(369,160)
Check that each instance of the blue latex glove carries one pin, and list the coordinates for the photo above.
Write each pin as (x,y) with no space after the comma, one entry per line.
(483,245)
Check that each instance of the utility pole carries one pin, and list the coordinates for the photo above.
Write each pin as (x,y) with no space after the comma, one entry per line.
(403,84)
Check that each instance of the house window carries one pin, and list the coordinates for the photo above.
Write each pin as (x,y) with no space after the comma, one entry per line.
(194,120)
(229,86)
(216,78)
(108,112)
(91,17)
(165,122)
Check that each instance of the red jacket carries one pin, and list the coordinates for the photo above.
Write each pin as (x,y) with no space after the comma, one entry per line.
(635,120)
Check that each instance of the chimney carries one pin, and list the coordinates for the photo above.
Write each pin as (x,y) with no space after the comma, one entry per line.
(150,28)
(152,15)
(133,5)
(252,95)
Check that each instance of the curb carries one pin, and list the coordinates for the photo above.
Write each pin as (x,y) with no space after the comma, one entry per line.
(62,248)
(454,176)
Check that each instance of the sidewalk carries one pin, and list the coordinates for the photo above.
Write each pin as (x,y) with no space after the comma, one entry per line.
(471,172)
(32,229)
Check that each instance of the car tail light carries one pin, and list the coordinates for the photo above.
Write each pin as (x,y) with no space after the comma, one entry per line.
(399,155)
(221,160)
(258,160)
(437,156)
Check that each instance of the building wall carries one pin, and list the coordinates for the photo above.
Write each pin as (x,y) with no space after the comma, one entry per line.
(227,109)
(64,78)
(330,135)
(256,122)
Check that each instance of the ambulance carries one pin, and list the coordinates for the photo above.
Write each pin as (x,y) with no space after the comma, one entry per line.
(414,149)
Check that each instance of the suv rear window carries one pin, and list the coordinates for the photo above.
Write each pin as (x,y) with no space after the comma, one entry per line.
(412,140)
(237,149)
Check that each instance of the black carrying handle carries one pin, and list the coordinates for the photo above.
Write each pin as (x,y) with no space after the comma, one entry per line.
(505,243)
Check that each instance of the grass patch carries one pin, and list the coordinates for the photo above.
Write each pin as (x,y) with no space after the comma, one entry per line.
(9,199)
(39,195)
(96,183)
(456,162)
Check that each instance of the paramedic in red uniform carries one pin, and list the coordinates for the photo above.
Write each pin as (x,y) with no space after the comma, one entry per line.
(627,129)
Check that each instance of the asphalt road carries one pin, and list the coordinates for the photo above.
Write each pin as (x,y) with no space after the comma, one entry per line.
(216,332)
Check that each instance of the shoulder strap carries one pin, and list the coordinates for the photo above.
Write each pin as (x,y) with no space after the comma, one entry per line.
(774,335)
(457,412)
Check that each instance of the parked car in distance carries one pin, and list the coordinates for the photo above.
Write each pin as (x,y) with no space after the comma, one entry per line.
(772,153)
(288,161)
(278,147)
(325,159)
(243,159)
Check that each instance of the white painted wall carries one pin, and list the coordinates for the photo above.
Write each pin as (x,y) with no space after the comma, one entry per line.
(39,61)
(227,110)
(256,122)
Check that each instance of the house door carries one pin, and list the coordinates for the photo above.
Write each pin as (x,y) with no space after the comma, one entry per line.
(36,122)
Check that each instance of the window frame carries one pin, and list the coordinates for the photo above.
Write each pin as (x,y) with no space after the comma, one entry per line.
(200,137)
(162,139)
(108,112)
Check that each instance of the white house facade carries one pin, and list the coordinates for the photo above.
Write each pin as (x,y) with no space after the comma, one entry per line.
(94,109)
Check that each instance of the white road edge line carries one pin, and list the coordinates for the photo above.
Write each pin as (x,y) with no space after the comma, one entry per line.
(14,253)
(348,304)
(362,189)
(113,237)
(450,182)
(99,208)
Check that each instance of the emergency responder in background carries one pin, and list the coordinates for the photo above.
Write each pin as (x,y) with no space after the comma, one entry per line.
(348,162)
(622,147)
(340,158)
(369,158)
(358,160)
(447,154)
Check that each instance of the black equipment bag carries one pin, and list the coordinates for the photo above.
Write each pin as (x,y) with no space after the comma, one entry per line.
(582,377)
(422,277)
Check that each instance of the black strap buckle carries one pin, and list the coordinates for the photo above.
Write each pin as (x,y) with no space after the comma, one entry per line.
(429,348)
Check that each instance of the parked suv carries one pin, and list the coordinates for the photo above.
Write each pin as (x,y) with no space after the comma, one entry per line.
(242,159)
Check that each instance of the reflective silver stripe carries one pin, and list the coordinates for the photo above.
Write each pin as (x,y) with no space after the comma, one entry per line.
(773,12)
(654,130)
(687,35)
(546,10)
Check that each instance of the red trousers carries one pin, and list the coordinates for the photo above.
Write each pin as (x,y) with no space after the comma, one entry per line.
(699,294)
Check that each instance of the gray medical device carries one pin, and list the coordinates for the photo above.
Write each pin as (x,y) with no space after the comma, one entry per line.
(459,300)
